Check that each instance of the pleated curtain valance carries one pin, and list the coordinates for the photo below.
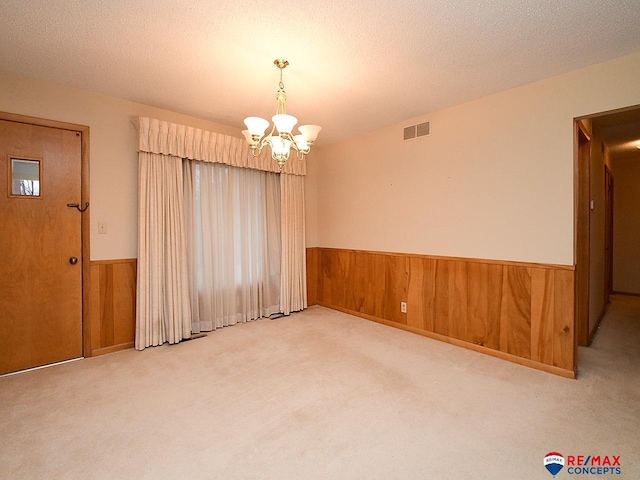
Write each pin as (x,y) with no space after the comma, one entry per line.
(166,138)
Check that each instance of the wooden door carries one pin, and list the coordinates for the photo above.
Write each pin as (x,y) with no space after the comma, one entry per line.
(40,283)
(608,232)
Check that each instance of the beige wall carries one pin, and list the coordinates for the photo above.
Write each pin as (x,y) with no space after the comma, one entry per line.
(311,200)
(493,180)
(626,225)
(114,160)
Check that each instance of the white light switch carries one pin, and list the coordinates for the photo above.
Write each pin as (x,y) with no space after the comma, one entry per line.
(102,227)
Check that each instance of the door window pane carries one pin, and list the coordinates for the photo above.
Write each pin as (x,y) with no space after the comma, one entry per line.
(25,177)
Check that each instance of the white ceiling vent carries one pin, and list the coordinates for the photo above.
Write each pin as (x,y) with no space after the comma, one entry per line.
(420,130)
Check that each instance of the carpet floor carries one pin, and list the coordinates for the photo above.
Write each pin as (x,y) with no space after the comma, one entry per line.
(322,395)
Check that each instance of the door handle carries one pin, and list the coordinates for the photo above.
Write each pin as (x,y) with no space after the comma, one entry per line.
(75,205)
(73,260)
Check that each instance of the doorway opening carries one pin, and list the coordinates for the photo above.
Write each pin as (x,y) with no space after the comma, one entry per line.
(607,252)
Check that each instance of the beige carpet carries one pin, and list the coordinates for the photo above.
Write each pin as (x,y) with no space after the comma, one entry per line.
(322,395)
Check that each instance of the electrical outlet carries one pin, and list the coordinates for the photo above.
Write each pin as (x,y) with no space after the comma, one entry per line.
(403,307)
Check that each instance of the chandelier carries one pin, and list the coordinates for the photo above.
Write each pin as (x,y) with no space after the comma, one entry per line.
(282,142)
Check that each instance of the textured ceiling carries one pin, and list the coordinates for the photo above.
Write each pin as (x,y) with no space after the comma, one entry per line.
(355,65)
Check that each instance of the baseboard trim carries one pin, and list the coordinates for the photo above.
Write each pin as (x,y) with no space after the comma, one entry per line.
(460,343)
(112,349)
(114,262)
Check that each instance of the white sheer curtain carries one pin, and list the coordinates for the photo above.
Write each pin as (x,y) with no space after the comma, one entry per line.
(233,240)
(163,309)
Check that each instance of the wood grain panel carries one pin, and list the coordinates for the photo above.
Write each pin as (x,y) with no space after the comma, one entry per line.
(517,312)
(369,277)
(354,280)
(542,314)
(564,340)
(106,305)
(458,300)
(324,277)
(124,302)
(421,293)
(353,288)
(522,311)
(396,284)
(484,302)
(334,277)
(112,305)
(441,317)
(312,276)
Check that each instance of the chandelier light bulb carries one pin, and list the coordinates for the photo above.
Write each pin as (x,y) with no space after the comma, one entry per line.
(284,123)
(256,125)
(280,146)
(301,142)
(310,132)
(250,140)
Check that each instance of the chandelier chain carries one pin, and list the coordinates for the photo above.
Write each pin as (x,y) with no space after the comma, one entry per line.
(281,64)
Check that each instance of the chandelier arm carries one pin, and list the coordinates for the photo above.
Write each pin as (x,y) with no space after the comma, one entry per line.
(297,149)
(264,141)
(273,129)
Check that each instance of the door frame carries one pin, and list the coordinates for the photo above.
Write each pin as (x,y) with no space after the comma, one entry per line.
(608,232)
(85,219)
(582,214)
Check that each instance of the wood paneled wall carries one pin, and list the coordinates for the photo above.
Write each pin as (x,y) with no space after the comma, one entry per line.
(312,276)
(112,309)
(516,311)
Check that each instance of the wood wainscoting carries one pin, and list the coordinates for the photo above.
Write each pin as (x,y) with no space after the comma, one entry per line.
(312,276)
(521,312)
(112,305)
